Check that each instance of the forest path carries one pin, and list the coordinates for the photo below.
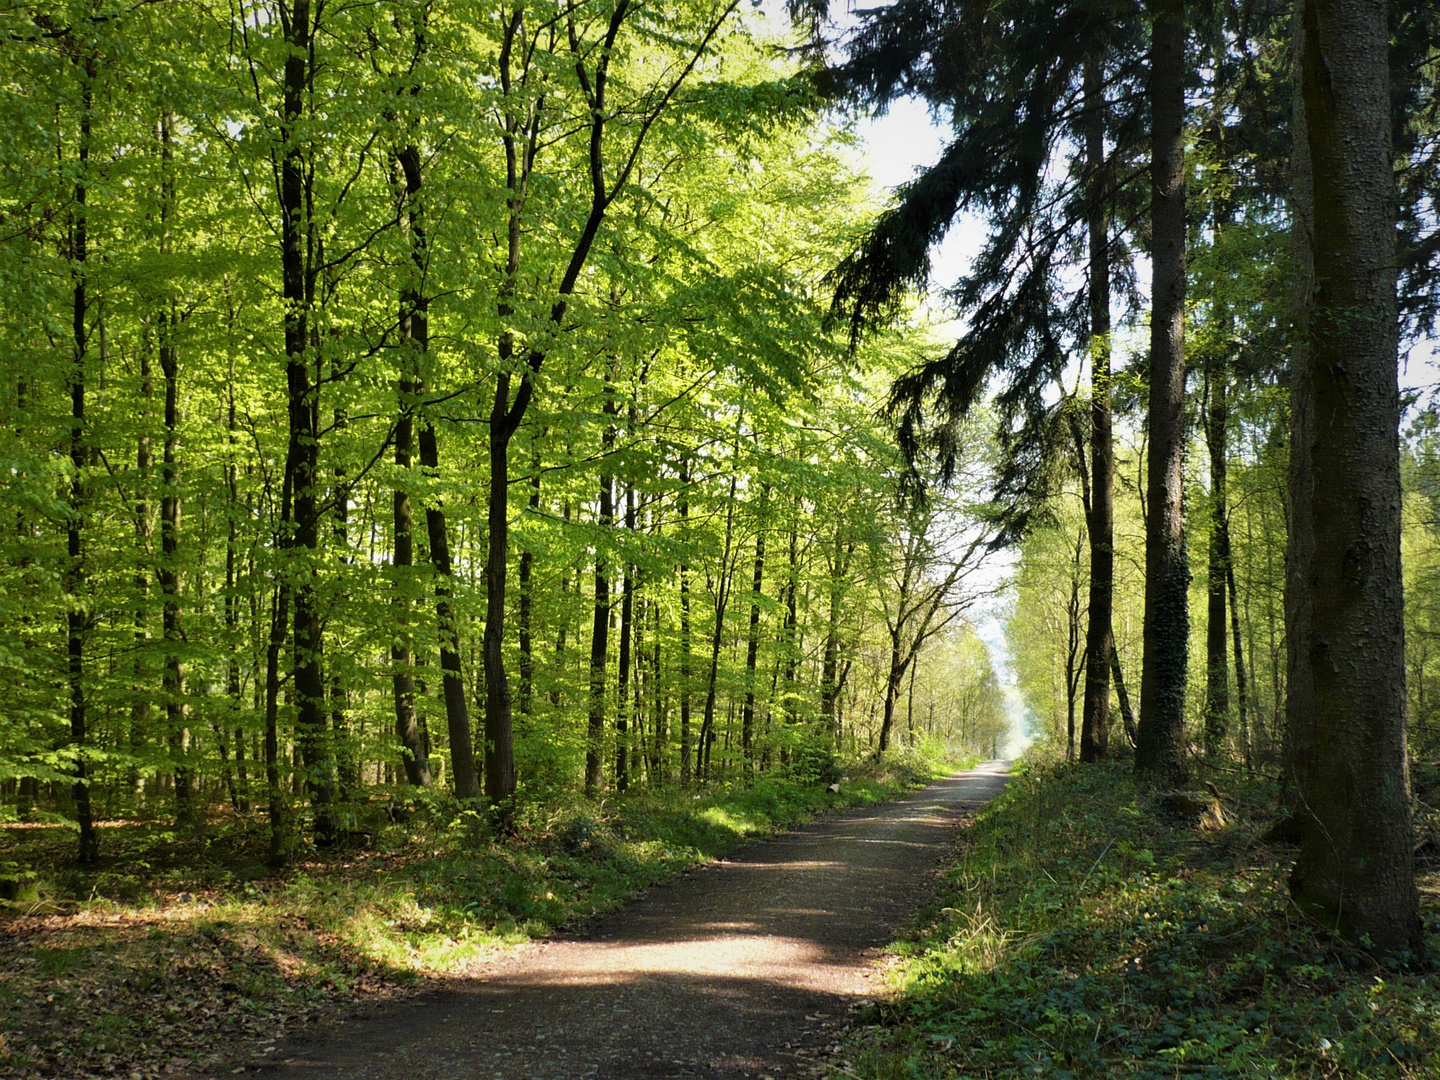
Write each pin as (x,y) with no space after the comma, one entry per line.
(737,970)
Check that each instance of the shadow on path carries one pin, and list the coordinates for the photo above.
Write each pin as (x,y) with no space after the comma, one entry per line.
(730,972)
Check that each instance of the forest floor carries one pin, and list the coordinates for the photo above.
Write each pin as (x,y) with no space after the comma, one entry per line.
(182,951)
(750,967)
(1086,932)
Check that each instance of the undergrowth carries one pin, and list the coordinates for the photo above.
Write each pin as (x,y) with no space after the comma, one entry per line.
(183,946)
(1082,934)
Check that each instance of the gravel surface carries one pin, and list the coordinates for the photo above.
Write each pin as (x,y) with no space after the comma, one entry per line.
(745,968)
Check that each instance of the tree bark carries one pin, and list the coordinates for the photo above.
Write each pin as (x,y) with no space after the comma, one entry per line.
(173,682)
(1217,661)
(302,460)
(752,643)
(684,628)
(622,679)
(1355,871)
(1160,752)
(1099,633)
(1298,736)
(76,620)
(600,626)
(414,328)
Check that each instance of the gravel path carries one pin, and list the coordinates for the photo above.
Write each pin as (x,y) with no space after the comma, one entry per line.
(742,969)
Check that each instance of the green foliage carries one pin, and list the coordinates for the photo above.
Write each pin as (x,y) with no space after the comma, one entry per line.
(1083,934)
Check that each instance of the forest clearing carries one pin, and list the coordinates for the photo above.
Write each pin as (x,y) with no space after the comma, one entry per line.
(470,462)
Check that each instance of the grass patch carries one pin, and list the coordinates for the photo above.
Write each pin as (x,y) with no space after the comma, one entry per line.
(1084,935)
(182,946)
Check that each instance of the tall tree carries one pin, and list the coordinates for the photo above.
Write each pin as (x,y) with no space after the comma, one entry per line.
(1356,864)
(1160,750)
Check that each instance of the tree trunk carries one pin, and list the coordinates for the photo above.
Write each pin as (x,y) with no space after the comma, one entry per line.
(415,330)
(1161,748)
(752,644)
(76,620)
(1298,737)
(173,682)
(525,628)
(684,689)
(1241,682)
(1356,866)
(600,627)
(302,460)
(452,678)
(1217,662)
(1099,634)
(622,687)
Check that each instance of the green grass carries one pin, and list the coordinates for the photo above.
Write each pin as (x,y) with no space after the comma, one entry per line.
(183,944)
(1082,935)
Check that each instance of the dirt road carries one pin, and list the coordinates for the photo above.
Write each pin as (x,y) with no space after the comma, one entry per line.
(734,971)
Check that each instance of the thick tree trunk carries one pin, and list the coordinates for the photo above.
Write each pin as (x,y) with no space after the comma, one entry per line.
(302,461)
(1099,635)
(1356,866)
(1161,749)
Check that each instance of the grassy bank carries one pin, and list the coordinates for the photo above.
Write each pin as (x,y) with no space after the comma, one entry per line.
(1084,934)
(183,944)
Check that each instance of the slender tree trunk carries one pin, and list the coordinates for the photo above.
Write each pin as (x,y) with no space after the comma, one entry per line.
(752,644)
(1217,661)
(525,630)
(144,539)
(1161,749)
(76,620)
(1099,632)
(622,688)
(722,597)
(1356,868)
(278,810)
(232,598)
(1074,653)
(659,732)
(1127,714)
(414,753)
(465,781)
(1241,682)
(173,682)
(600,628)
(893,678)
(684,689)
